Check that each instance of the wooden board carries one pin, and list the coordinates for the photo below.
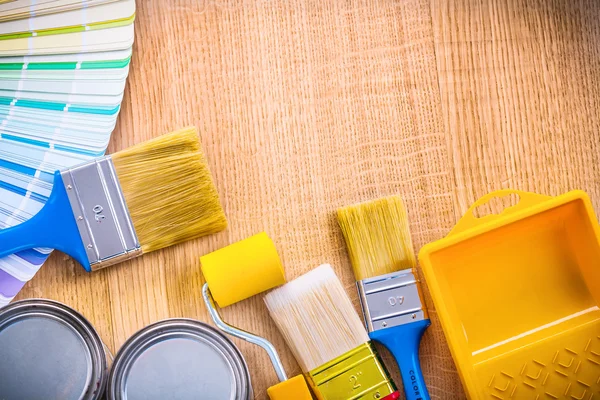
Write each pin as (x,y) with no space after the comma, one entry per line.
(304,107)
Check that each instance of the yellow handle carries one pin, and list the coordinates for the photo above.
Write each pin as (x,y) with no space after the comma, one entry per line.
(293,389)
(526,200)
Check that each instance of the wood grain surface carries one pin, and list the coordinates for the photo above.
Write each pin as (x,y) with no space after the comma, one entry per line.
(304,107)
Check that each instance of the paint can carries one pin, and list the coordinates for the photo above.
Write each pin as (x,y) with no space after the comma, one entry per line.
(179,359)
(49,351)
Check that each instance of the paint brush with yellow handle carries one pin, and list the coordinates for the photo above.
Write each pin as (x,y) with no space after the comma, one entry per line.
(327,337)
(237,272)
(381,252)
(114,208)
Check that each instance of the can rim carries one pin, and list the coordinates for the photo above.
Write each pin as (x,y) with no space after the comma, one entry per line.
(147,336)
(94,345)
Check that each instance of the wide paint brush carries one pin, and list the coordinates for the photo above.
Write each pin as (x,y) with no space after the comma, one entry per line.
(381,252)
(152,195)
(328,339)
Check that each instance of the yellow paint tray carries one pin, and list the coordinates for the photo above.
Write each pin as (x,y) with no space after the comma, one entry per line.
(518,297)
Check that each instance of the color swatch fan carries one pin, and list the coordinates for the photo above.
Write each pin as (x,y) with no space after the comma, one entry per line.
(63,67)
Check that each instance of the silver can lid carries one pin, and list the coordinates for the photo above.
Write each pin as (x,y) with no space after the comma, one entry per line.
(49,351)
(179,359)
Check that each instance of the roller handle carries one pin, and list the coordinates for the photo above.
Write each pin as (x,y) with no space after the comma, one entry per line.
(293,389)
(403,342)
(54,226)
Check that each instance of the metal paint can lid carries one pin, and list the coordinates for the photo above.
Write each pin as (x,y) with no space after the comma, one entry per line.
(49,351)
(179,359)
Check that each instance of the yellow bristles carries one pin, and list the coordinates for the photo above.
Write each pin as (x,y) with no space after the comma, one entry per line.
(316,318)
(377,236)
(169,190)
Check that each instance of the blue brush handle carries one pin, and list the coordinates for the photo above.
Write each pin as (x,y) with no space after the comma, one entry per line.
(54,226)
(403,342)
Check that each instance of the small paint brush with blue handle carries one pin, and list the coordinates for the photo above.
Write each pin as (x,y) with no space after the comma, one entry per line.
(152,195)
(380,248)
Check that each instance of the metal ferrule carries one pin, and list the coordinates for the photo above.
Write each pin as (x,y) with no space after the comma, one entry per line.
(101,213)
(357,374)
(391,300)
(241,334)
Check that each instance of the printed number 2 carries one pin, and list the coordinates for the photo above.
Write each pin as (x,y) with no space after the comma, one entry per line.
(354,380)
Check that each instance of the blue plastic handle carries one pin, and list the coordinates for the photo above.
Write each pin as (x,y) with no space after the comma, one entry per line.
(54,226)
(403,342)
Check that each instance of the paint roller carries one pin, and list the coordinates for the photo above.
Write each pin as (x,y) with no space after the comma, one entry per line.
(237,272)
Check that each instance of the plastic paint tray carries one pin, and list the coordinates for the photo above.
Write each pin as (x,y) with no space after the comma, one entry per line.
(517,295)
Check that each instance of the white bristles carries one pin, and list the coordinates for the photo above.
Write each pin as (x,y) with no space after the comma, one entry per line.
(316,317)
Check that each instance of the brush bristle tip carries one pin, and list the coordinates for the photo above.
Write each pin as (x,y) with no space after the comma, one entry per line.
(377,236)
(316,317)
(169,190)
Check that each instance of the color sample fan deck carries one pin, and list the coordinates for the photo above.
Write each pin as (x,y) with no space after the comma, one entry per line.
(63,69)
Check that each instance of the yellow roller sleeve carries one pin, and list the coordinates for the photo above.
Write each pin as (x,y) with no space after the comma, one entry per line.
(293,389)
(242,269)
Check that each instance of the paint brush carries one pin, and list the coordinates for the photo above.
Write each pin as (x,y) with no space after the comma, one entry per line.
(114,208)
(381,252)
(321,327)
